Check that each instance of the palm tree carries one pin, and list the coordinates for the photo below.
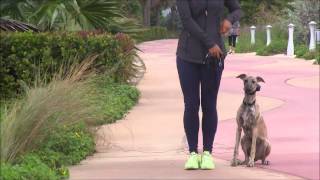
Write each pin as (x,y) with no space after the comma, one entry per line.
(63,14)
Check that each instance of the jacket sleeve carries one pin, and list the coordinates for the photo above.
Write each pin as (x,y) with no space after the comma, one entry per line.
(234,9)
(191,26)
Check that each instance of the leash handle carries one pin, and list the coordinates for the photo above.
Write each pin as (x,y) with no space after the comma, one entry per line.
(220,60)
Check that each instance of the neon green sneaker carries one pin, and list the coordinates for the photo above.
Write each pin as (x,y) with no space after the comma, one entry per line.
(193,161)
(207,161)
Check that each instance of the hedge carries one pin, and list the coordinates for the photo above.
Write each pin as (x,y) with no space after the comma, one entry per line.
(155,33)
(24,55)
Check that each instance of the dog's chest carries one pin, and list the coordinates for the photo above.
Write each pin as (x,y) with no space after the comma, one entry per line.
(248,117)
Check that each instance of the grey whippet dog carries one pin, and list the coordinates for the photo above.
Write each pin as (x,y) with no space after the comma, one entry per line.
(254,143)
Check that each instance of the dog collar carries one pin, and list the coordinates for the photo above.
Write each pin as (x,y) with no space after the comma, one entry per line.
(249,104)
(251,93)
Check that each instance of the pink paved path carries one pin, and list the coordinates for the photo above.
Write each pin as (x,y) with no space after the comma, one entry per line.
(293,127)
(150,144)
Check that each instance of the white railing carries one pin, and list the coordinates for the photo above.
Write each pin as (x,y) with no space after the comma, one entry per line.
(318,36)
(314,37)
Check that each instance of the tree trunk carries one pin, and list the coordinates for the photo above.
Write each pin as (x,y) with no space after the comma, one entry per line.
(146,12)
(158,14)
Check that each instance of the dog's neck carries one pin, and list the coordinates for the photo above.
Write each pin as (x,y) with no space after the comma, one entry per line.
(249,99)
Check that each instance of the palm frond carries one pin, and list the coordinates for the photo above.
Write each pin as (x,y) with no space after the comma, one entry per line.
(11,25)
(71,14)
(95,13)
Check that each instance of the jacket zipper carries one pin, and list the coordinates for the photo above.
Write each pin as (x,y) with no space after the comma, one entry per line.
(205,28)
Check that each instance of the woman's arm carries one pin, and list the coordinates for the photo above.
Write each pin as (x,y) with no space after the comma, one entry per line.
(234,9)
(190,25)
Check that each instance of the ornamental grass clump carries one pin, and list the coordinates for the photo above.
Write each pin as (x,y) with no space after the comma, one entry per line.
(63,101)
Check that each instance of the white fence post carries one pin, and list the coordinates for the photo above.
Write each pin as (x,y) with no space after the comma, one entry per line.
(268,34)
(253,32)
(312,26)
(290,48)
(318,36)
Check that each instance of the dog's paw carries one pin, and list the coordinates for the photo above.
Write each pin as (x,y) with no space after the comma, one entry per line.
(250,164)
(244,162)
(266,162)
(234,162)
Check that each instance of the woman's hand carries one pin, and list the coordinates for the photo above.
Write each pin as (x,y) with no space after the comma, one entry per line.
(215,51)
(225,27)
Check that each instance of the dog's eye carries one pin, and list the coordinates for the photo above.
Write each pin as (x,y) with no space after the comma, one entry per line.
(253,82)
(245,81)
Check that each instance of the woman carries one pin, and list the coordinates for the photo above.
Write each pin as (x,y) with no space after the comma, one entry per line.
(233,34)
(200,61)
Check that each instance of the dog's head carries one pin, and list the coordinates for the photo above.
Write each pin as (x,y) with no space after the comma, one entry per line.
(251,84)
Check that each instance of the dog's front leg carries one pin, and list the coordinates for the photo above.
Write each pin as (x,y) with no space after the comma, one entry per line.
(235,160)
(253,147)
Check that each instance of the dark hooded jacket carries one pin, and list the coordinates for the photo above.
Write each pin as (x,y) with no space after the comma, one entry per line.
(201,20)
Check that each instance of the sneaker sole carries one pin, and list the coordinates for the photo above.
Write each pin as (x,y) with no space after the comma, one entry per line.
(191,168)
(207,168)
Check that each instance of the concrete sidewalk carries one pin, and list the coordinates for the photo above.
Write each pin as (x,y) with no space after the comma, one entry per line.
(150,143)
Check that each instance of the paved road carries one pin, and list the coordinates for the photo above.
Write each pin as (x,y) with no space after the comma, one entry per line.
(150,143)
(294,126)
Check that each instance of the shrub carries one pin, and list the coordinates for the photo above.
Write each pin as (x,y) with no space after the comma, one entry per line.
(278,43)
(114,99)
(132,67)
(276,47)
(29,167)
(51,126)
(155,33)
(74,142)
(244,41)
(25,55)
(317,60)
(301,50)
(61,102)
(66,145)
(310,55)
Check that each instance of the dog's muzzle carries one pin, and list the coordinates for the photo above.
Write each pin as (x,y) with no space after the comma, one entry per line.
(258,88)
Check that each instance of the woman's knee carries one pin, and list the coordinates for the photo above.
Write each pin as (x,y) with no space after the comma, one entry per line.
(209,110)
(192,106)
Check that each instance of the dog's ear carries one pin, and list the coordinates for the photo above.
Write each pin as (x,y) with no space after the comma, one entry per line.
(242,76)
(260,79)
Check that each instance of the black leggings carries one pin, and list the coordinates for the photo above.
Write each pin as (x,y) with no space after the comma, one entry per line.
(193,76)
(232,40)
